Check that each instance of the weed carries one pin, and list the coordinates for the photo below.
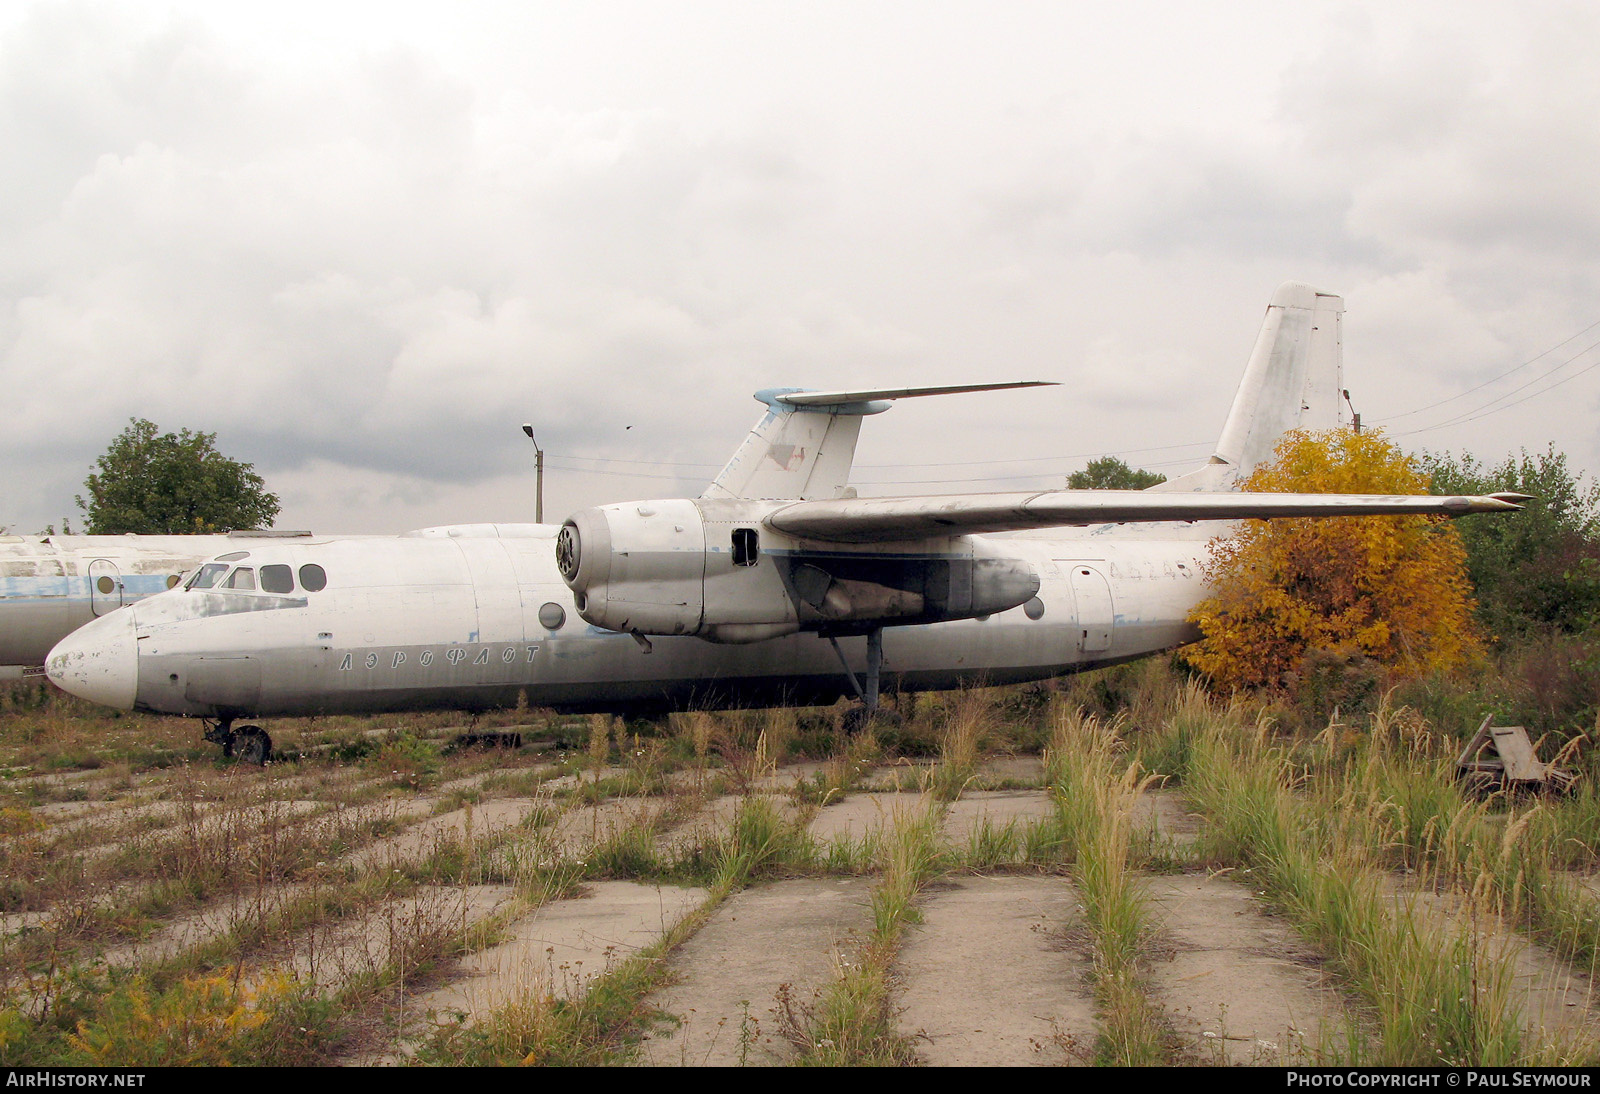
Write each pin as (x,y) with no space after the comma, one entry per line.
(626,852)
(412,763)
(759,843)
(215,1020)
(851,1022)
(990,845)
(839,773)
(969,726)
(1094,800)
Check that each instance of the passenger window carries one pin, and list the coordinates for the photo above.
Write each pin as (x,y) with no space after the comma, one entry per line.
(208,575)
(745,547)
(277,579)
(242,578)
(313,579)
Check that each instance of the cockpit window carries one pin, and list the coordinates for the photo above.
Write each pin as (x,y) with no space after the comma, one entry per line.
(313,578)
(233,556)
(208,575)
(242,578)
(277,579)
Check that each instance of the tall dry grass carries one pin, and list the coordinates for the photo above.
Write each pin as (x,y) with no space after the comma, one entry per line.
(1095,786)
(1435,995)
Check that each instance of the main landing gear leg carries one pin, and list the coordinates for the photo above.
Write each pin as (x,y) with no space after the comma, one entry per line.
(866,689)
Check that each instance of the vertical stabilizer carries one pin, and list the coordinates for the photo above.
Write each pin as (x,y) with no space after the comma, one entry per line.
(1293,381)
(794,451)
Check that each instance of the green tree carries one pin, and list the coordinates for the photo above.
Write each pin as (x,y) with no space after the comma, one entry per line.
(1390,589)
(1537,570)
(150,482)
(1110,473)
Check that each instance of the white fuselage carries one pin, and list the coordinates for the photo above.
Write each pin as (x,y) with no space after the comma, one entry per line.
(479,623)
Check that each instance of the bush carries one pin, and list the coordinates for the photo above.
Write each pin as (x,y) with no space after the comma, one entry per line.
(1390,589)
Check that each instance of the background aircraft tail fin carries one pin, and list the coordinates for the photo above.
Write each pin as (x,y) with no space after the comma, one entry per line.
(805,444)
(1294,381)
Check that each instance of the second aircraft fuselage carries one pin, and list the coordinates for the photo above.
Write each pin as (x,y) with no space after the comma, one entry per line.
(479,623)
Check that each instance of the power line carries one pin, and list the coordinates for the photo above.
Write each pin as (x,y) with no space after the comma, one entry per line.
(624,474)
(1508,406)
(714,467)
(1035,459)
(1503,375)
(708,470)
(1484,410)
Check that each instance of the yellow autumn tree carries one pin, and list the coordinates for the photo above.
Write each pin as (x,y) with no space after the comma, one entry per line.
(1394,589)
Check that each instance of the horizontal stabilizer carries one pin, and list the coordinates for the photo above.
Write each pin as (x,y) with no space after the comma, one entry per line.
(805,444)
(884,520)
(851,398)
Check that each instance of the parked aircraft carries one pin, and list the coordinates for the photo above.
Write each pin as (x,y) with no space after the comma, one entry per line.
(776,585)
(51,585)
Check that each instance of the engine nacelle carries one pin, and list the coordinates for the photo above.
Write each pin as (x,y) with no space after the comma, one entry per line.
(710,568)
(637,568)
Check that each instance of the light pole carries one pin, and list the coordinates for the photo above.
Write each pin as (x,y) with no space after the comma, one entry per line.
(538,475)
(1354,417)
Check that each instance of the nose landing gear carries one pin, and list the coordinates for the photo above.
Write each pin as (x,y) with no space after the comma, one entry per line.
(250,743)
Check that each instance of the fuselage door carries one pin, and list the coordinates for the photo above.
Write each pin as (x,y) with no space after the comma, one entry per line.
(105,586)
(1095,613)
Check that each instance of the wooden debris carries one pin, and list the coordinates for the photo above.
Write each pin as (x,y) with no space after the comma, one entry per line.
(1501,758)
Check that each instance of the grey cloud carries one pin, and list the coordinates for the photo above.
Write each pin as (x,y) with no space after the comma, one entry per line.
(384,288)
(372,264)
(1446,147)
(1157,197)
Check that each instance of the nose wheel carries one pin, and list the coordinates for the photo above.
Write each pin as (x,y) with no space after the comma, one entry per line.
(250,744)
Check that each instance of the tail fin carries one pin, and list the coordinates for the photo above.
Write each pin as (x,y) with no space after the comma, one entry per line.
(1293,381)
(806,443)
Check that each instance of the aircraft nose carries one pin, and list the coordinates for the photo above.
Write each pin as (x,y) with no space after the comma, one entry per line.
(99,661)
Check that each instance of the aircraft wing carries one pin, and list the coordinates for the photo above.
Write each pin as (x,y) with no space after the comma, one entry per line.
(881,520)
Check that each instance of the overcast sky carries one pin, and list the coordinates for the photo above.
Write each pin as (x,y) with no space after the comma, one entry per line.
(362,243)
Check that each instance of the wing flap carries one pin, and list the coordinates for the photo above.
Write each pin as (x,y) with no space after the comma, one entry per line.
(882,520)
